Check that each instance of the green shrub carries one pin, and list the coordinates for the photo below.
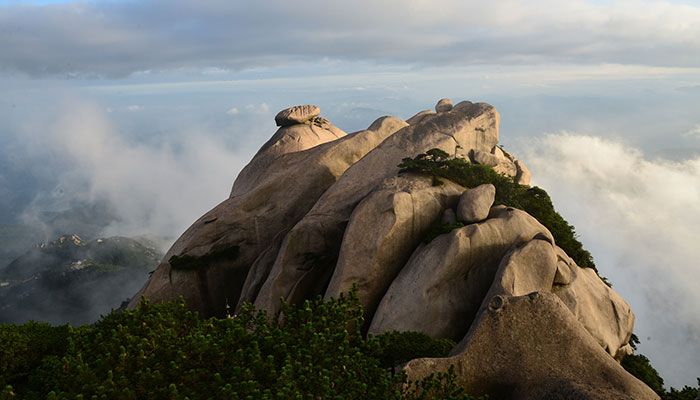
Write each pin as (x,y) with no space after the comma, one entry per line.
(163,351)
(639,366)
(399,347)
(25,346)
(532,200)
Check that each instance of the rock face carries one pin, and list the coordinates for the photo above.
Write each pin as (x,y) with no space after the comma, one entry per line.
(532,347)
(317,210)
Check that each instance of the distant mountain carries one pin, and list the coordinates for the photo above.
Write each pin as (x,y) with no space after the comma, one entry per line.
(70,280)
(86,220)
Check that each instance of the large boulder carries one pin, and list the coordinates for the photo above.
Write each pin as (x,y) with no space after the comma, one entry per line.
(532,347)
(440,289)
(383,231)
(474,204)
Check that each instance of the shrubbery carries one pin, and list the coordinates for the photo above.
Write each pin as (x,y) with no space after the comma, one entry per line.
(532,200)
(163,351)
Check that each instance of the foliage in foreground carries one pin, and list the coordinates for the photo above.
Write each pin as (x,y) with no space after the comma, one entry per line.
(532,200)
(163,351)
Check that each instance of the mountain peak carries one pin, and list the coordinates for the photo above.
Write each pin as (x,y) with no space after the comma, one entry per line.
(436,225)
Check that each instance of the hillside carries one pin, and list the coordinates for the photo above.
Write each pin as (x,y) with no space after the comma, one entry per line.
(73,281)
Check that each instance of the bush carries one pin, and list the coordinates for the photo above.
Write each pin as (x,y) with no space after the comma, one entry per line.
(399,347)
(532,200)
(163,351)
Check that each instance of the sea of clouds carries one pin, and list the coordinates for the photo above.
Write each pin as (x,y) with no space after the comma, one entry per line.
(639,217)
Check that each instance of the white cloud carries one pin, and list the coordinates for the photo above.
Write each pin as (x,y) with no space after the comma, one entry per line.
(639,218)
(133,108)
(693,132)
(258,108)
(116,39)
(233,111)
(159,187)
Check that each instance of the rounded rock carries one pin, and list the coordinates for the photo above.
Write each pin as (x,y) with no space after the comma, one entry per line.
(297,115)
(443,105)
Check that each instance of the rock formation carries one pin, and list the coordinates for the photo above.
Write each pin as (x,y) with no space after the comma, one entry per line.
(317,210)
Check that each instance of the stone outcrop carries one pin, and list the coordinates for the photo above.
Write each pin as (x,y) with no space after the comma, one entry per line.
(474,204)
(317,210)
(532,347)
(440,289)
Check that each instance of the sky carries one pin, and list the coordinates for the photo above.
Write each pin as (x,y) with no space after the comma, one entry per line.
(155,105)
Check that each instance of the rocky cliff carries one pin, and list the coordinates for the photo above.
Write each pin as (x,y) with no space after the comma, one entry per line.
(317,210)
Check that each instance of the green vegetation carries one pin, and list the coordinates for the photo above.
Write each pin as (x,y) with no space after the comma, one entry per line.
(190,262)
(68,282)
(437,230)
(640,366)
(163,351)
(400,347)
(532,200)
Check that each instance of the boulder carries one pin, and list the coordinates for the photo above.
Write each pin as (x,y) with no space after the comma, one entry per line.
(443,105)
(532,347)
(474,204)
(297,115)
(485,158)
(383,231)
(442,286)
(604,314)
(523,174)
(541,266)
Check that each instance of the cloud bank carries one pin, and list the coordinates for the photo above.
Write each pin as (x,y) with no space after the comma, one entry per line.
(639,218)
(117,39)
(154,185)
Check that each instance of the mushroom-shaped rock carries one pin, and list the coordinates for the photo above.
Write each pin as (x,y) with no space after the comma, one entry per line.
(383,231)
(297,115)
(443,105)
(532,347)
(445,281)
(474,204)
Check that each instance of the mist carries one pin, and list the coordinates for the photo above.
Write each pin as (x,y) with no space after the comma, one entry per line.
(151,185)
(638,217)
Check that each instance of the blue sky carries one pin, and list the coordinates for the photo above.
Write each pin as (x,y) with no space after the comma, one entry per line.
(132,101)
